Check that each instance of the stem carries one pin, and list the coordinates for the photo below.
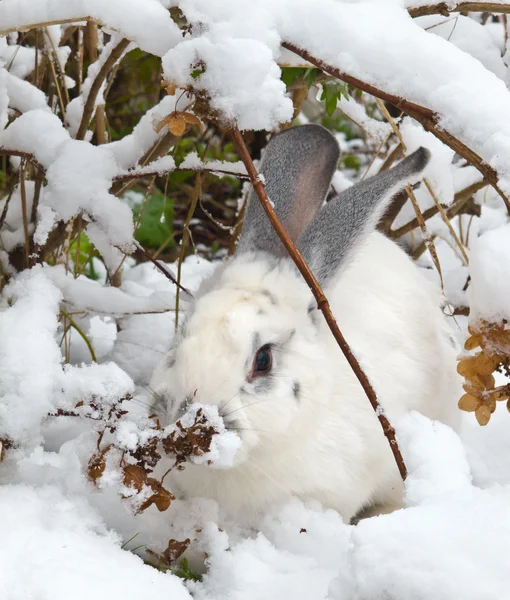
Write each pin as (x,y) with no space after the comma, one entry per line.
(445,8)
(89,107)
(322,301)
(24,211)
(425,116)
(73,323)
(185,237)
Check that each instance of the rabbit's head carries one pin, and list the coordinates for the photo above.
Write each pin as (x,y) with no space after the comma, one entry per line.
(251,342)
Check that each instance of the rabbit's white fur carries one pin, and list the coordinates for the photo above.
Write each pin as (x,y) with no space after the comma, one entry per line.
(311,431)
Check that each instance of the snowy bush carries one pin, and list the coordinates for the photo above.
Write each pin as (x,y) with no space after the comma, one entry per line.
(119,189)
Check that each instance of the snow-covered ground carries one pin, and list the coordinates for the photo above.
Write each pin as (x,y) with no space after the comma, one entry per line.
(61,534)
(65,537)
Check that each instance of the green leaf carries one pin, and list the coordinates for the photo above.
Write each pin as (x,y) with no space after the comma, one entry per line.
(153,229)
(291,74)
(311,76)
(84,259)
(196,73)
(352,161)
(332,91)
(184,572)
(215,246)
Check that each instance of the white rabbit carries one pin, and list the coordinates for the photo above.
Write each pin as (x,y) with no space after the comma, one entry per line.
(255,344)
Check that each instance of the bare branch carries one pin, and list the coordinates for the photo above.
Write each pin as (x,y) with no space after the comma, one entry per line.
(88,110)
(445,8)
(163,269)
(322,301)
(27,156)
(423,115)
(157,173)
(460,199)
(4,32)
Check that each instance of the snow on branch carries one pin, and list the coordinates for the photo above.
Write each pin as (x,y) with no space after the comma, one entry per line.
(146,22)
(417,8)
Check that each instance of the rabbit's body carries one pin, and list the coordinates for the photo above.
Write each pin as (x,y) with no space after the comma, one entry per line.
(306,425)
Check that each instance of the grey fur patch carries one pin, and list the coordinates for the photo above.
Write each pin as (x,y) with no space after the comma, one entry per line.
(263,384)
(313,313)
(296,390)
(332,237)
(170,361)
(297,166)
(272,298)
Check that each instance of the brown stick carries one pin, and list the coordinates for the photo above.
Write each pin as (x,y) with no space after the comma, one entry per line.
(93,51)
(88,109)
(163,269)
(322,301)
(423,115)
(202,169)
(442,8)
(460,199)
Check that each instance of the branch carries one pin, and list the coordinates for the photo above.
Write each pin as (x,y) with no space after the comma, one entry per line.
(322,301)
(163,269)
(41,24)
(425,116)
(445,8)
(460,199)
(158,173)
(26,155)
(90,104)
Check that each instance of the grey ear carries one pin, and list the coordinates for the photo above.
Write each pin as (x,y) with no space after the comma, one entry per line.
(332,237)
(297,166)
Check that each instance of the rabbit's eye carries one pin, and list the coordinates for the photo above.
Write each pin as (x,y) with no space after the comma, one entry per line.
(263,360)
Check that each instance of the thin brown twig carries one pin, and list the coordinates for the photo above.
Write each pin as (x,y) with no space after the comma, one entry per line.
(163,269)
(322,301)
(447,221)
(445,8)
(428,240)
(158,173)
(26,155)
(88,109)
(24,210)
(425,116)
(60,68)
(186,235)
(460,199)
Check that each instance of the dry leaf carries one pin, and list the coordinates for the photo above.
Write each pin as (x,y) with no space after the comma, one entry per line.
(97,465)
(469,403)
(483,414)
(175,550)
(134,477)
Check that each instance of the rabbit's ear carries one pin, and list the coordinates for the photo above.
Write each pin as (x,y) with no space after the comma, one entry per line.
(297,167)
(332,237)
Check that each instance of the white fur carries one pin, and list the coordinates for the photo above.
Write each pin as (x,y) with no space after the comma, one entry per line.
(327,444)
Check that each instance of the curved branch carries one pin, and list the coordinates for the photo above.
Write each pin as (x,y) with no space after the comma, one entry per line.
(425,116)
(88,110)
(26,155)
(460,199)
(445,8)
(322,301)
(4,32)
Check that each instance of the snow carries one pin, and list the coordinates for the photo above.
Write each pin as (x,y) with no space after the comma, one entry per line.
(489,268)
(55,543)
(379,130)
(300,550)
(224,444)
(62,534)
(144,21)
